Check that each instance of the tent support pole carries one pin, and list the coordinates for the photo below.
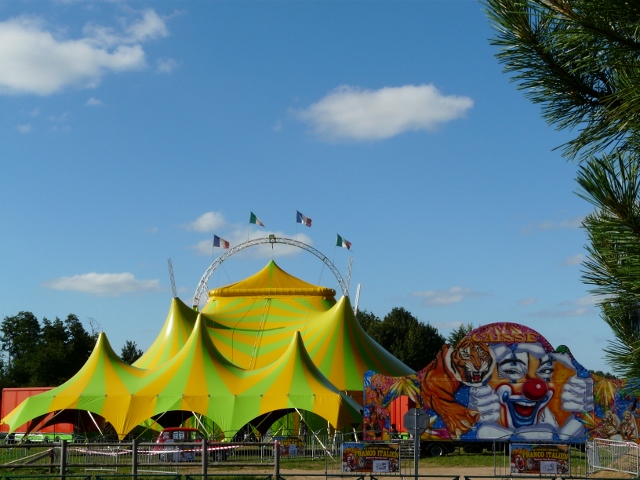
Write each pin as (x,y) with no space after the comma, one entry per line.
(94,422)
(202,424)
(318,439)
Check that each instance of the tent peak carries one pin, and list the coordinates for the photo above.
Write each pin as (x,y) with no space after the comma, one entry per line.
(272,281)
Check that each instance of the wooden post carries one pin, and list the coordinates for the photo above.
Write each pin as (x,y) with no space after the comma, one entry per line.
(52,459)
(134,458)
(63,458)
(205,456)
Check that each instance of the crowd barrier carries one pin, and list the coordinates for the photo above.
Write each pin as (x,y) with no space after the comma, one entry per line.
(286,457)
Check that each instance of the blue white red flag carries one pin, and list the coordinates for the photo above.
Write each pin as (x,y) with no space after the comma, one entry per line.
(300,218)
(220,242)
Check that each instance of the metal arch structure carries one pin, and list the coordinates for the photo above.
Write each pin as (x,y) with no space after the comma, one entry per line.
(202,285)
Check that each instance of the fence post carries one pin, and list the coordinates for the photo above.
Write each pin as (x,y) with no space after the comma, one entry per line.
(63,458)
(276,460)
(134,458)
(205,456)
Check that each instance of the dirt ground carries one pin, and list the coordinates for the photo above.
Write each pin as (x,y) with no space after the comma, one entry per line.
(443,471)
(450,472)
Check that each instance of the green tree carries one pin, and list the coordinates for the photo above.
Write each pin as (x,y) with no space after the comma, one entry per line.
(409,340)
(50,359)
(368,321)
(612,185)
(42,355)
(130,352)
(580,60)
(459,333)
(20,336)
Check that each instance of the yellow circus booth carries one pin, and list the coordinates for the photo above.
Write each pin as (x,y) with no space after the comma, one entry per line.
(262,347)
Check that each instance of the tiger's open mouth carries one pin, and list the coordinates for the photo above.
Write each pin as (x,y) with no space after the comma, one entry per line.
(475,377)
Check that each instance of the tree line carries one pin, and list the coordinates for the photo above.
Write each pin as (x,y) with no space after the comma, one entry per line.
(47,353)
(50,352)
(411,341)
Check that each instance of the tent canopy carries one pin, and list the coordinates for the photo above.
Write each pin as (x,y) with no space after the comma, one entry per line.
(269,343)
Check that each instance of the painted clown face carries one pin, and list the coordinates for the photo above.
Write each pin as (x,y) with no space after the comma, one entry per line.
(522,381)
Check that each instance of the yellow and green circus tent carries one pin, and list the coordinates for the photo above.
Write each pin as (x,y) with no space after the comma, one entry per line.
(198,380)
(294,382)
(269,343)
(251,323)
(174,334)
(105,385)
(343,351)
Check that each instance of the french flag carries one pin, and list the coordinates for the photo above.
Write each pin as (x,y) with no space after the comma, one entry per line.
(220,242)
(300,218)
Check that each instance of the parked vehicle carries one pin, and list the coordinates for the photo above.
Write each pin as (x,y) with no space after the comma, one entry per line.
(172,438)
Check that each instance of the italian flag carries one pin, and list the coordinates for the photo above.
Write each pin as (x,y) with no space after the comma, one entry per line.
(341,242)
(255,220)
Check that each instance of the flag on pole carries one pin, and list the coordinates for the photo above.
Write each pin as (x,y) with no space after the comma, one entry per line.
(255,220)
(341,242)
(300,218)
(220,242)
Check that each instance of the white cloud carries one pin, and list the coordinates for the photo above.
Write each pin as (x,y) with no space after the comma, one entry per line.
(357,114)
(93,102)
(572,312)
(452,325)
(527,301)
(166,65)
(26,128)
(150,27)
(588,301)
(35,59)
(573,308)
(207,222)
(568,223)
(104,284)
(438,298)
(575,260)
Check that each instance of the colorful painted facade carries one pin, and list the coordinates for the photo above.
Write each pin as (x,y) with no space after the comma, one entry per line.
(506,382)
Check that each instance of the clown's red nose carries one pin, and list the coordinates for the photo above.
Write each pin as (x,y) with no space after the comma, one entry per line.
(534,389)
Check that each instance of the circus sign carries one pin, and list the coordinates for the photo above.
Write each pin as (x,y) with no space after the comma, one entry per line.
(545,459)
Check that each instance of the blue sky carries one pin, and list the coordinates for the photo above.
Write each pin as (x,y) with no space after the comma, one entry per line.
(132,132)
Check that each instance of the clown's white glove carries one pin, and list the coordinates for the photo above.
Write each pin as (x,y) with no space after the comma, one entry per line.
(486,402)
(577,394)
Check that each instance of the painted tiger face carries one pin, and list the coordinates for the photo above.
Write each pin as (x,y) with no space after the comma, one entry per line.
(471,362)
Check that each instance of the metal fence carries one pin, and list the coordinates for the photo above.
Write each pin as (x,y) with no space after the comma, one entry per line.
(616,456)
(202,457)
(135,458)
(286,457)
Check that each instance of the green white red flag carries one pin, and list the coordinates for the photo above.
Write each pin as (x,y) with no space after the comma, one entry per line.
(255,220)
(341,242)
